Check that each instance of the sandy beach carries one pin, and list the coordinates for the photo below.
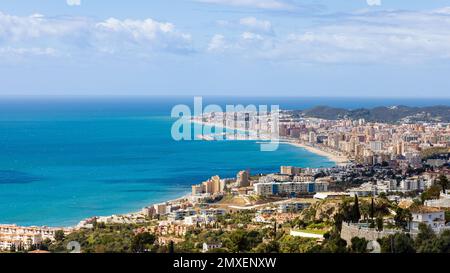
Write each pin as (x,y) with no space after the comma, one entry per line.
(340,160)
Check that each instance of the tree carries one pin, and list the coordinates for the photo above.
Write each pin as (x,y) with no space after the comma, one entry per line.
(425,235)
(171,248)
(356,214)
(382,195)
(59,235)
(335,245)
(269,247)
(241,240)
(142,242)
(338,219)
(443,182)
(372,210)
(397,243)
(291,244)
(379,223)
(359,245)
(402,217)
(432,192)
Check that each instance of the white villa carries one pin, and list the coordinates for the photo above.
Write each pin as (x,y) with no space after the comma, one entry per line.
(433,217)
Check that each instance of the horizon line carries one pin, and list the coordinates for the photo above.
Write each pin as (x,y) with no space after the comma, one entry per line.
(31,96)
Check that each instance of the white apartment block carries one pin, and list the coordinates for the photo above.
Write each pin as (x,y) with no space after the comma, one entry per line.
(23,237)
(275,188)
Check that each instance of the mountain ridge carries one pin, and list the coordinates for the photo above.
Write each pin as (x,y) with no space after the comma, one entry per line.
(388,114)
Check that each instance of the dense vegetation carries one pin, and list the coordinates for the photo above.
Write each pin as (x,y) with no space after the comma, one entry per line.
(238,234)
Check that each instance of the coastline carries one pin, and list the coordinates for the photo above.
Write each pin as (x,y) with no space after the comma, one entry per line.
(339,161)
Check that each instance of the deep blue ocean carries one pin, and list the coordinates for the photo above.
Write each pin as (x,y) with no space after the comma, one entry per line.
(65,159)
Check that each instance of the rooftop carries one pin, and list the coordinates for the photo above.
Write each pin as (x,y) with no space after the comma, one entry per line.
(424,209)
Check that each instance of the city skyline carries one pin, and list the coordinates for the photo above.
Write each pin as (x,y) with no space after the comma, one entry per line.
(248,48)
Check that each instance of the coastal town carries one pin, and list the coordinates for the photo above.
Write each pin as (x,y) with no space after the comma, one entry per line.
(389,183)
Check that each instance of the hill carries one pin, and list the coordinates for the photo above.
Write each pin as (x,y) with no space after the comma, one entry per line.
(393,114)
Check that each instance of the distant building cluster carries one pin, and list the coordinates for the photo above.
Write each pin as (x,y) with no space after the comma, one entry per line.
(370,143)
(213,186)
(15,237)
(365,142)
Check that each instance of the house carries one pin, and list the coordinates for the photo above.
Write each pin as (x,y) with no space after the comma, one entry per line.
(210,246)
(292,207)
(432,217)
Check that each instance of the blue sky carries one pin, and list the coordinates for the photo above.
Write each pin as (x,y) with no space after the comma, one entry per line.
(375,48)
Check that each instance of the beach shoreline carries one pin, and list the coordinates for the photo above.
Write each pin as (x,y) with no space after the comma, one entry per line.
(340,160)
(337,159)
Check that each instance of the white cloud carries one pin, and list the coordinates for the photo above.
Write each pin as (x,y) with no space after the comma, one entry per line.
(248,24)
(246,45)
(33,51)
(255,24)
(147,33)
(15,28)
(259,4)
(80,34)
(364,37)
(217,44)
(373,2)
(73,2)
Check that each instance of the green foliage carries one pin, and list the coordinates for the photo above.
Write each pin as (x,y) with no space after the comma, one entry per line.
(359,245)
(241,241)
(431,193)
(142,242)
(356,214)
(110,239)
(425,234)
(397,243)
(443,182)
(332,244)
(379,222)
(59,235)
(402,217)
(241,217)
(268,247)
(291,244)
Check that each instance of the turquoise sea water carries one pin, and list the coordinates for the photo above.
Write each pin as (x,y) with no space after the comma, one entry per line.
(62,160)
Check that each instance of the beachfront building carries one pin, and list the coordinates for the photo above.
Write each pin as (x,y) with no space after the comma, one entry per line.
(290,170)
(243,179)
(160,209)
(213,186)
(180,214)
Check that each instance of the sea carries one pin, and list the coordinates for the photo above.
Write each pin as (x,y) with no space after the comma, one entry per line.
(64,159)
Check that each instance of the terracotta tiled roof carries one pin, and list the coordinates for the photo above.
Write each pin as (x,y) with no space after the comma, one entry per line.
(424,209)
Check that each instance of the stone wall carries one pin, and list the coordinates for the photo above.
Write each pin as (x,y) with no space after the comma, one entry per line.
(350,231)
